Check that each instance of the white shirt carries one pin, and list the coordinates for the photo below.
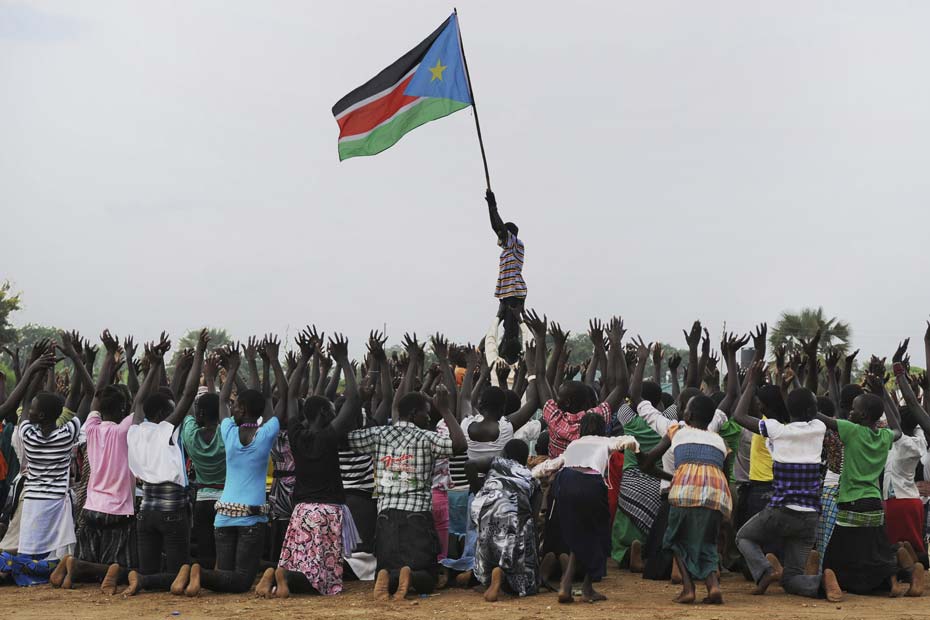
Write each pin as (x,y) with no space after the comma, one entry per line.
(155,453)
(593,451)
(795,442)
(660,424)
(479,449)
(900,468)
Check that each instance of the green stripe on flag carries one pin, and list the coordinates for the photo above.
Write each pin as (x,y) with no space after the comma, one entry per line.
(387,135)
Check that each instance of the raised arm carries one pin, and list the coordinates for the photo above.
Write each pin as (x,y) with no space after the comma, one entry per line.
(441,349)
(657,363)
(832,361)
(192,381)
(155,353)
(636,385)
(87,382)
(813,363)
(233,361)
(293,388)
(648,462)
(497,224)
(622,380)
(729,347)
(537,327)
(558,346)
(471,365)
(848,366)
(441,400)
(37,367)
(132,379)
(673,363)
(111,345)
(528,409)
(741,413)
(904,384)
(379,358)
(352,406)
(693,338)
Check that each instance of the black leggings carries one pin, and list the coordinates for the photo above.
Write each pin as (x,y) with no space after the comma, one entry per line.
(204,514)
(238,553)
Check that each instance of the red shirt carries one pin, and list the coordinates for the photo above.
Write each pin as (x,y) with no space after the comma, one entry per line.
(565,428)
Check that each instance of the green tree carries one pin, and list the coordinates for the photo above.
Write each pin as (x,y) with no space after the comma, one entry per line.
(792,327)
(218,338)
(9,303)
(31,333)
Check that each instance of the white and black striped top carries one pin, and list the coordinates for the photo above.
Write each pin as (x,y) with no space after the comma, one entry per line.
(457,471)
(49,459)
(357,471)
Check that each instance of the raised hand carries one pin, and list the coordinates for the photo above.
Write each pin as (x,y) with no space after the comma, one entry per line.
(271,347)
(110,342)
(536,325)
(874,383)
(642,350)
(758,340)
(305,343)
(596,332)
(41,348)
(693,338)
(440,346)
(705,343)
(211,365)
(899,354)
(876,366)
(67,344)
(315,338)
(810,346)
(130,347)
(558,336)
(251,348)
(780,352)
(674,362)
(185,360)
(163,346)
(339,348)
(376,341)
(832,359)
(441,398)
(657,355)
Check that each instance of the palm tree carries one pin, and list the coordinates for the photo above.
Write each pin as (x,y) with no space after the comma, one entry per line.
(794,326)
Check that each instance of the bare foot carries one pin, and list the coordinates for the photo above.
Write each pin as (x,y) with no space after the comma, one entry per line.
(812,567)
(777,568)
(910,550)
(265,584)
(547,570)
(767,580)
(110,580)
(636,557)
(898,588)
(676,575)
(280,577)
(382,584)
(905,561)
(58,575)
(592,596)
(442,578)
(134,584)
(69,566)
(463,579)
(180,582)
(566,596)
(494,589)
(686,597)
(403,584)
(918,580)
(832,587)
(193,586)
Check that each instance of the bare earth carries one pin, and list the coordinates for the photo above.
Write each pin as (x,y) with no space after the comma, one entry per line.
(629,596)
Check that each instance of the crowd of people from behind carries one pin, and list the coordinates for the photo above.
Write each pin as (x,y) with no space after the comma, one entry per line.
(291,476)
(500,467)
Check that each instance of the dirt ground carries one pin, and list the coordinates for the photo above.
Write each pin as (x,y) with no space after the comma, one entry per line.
(629,596)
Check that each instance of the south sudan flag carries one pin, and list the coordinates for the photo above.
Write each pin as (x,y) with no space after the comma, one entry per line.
(426,83)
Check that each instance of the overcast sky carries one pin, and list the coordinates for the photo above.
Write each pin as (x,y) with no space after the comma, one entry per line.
(173,164)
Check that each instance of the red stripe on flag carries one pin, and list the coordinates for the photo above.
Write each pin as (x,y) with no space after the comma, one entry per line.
(373,114)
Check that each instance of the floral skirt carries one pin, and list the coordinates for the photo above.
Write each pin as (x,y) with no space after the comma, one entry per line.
(313,546)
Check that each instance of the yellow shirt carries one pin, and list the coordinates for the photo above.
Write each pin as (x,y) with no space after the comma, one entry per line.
(760,460)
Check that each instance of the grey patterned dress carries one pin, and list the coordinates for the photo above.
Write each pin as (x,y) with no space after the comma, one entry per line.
(506,532)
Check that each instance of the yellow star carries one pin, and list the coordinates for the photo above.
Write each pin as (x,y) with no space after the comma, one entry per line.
(437,71)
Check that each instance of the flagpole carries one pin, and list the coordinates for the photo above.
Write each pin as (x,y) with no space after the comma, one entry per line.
(474,105)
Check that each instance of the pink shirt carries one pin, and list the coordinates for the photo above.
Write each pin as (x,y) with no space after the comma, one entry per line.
(111,487)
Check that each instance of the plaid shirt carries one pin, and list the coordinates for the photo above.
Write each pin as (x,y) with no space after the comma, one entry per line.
(565,428)
(404,456)
(796,484)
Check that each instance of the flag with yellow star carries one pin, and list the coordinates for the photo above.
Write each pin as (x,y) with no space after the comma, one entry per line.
(425,84)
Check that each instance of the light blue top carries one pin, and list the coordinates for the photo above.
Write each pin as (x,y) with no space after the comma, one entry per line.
(246,467)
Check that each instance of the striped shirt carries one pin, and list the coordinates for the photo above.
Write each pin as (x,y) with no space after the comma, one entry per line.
(699,481)
(49,459)
(357,471)
(457,471)
(510,277)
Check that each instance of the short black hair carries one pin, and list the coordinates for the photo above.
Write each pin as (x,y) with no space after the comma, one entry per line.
(512,228)
(874,407)
(702,411)
(848,394)
(717,397)
(575,397)
(517,450)
(112,401)
(315,406)
(157,407)
(592,424)
(652,392)
(49,405)
(493,400)
(252,402)
(826,406)
(542,443)
(408,405)
(684,397)
(209,406)
(802,404)
(773,403)
(667,400)
(908,420)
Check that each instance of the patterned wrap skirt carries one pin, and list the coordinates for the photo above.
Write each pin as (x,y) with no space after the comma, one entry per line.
(314,546)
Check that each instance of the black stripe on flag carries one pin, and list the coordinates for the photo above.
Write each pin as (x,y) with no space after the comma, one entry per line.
(389,76)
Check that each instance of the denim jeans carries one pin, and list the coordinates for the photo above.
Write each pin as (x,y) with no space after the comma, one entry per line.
(238,553)
(158,532)
(204,514)
(796,531)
